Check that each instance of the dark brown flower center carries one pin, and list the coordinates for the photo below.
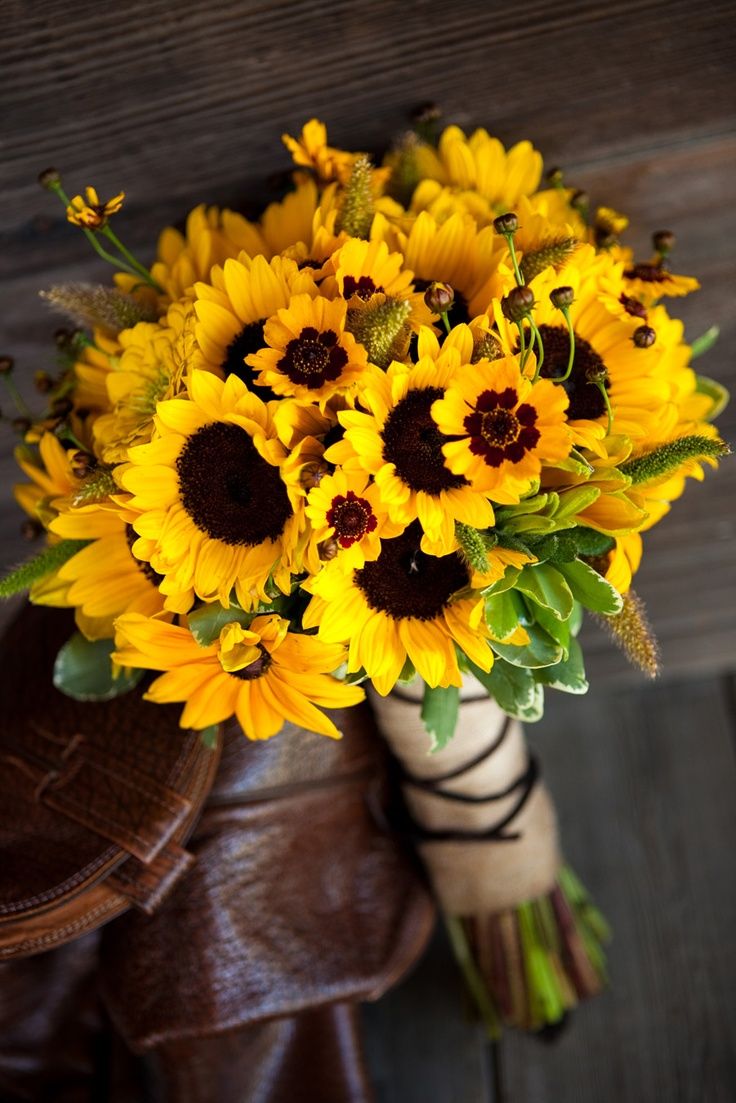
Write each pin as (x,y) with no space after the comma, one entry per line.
(313,358)
(256,669)
(586,400)
(364,287)
(249,340)
(153,576)
(499,429)
(230,492)
(351,517)
(413,443)
(649,273)
(633,306)
(459,312)
(405,582)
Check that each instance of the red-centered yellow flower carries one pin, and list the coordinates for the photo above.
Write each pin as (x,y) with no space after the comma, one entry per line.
(345,510)
(396,440)
(311,356)
(214,512)
(262,674)
(367,268)
(233,307)
(89,213)
(652,280)
(403,604)
(503,427)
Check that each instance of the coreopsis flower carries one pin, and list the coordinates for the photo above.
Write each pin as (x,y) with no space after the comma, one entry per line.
(263,674)
(88,212)
(346,509)
(214,511)
(310,150)
(500,427)
(396,440)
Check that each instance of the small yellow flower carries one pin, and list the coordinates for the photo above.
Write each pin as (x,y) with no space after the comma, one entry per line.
(89,213)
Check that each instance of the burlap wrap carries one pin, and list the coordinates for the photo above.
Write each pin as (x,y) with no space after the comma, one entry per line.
(478,876)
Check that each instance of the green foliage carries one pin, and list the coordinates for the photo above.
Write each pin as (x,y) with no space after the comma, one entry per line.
(569,674)
(705,342)
(666,459)
(563,547)
(545,586)
(358,206)
(209,736)
(716,392)
(590,588)
(513,688)
(440,709)
(21,578)
(380,326)
(542,650)
(83,670)
(554,253)
(472,546)
(208,621)
(502,611)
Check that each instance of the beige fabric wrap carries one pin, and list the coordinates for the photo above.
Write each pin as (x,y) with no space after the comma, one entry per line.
(474,877)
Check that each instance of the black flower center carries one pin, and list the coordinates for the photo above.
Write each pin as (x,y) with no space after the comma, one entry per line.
(249,340)
(364,287)
(256,669)
(230,492)
(313,358)
(405,582)
(586,400)
(153,576)
(413,443)
(459,313)
(499,429)
(351,517)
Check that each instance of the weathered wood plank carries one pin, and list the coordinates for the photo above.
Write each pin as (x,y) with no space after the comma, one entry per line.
(644,784)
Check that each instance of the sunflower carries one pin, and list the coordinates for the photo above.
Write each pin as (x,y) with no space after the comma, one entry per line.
(639,392)
(479,166)
(311,356)
(234,306)
(214,511)
(105,579)
(397,441)
(263,674)
(149,369)
(349,517)
(502,427)
(402,604)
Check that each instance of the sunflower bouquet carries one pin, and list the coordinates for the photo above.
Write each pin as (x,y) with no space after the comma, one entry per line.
(401,430)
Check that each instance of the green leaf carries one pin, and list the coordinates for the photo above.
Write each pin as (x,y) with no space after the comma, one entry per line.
(513,689)
(502,614)
(591,542)
(48,560)
(705,342)
(408,671)
(531,523)
(546,586)
(440,709)
(590,588)
(575,500)
(558,630)
(209,736)
(541,650)
(208,621)
(568,675)
(715,391)
(506,583)
(83,670)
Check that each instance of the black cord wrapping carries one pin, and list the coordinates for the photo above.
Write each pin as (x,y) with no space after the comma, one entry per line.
(523,785)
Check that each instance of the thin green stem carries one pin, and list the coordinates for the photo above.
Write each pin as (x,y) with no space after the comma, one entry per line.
(131,259)
(571,356)
(20,403)
(522,344)
(474,981)
(540,347)
(512,250)
(602,388)
(446,321)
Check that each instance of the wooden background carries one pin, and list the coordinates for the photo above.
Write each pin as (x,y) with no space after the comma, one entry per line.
(179,103)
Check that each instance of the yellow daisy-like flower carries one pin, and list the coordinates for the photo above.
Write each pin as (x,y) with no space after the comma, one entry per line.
(479,165)
(150,368)
(233,307)
(214,511)
(262,674)
(89,213)
(52,483)
(105,579)
(398,442)
(311,355)
(502,427)
(345,508)
(310,150)
(404,603)
(652,280)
